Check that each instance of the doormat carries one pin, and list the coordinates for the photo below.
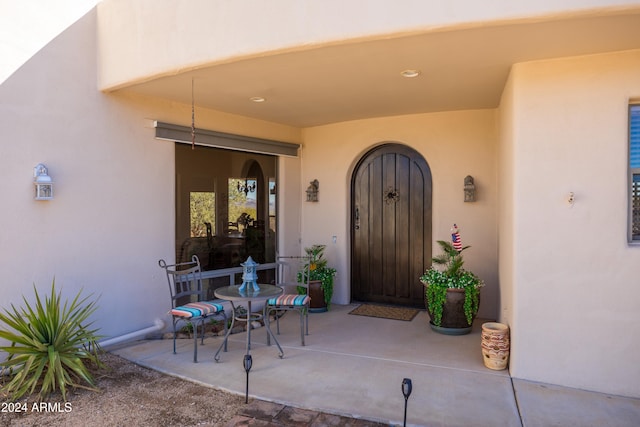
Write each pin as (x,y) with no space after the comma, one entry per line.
(385,312)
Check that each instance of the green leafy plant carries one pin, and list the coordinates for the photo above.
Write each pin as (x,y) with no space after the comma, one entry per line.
(187,329)
(318,270)
(452,276)
(216,325)
(50,344)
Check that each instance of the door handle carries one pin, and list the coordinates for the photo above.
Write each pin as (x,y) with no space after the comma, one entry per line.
(357,222)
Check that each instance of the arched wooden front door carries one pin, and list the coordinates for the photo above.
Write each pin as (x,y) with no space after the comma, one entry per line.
(390,226)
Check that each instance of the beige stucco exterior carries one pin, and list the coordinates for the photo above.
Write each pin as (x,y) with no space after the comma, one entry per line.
(562,276)
(569,274)
(112,216)
(330,152)
(132,31)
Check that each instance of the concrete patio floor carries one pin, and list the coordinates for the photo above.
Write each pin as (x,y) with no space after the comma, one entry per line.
(353,366)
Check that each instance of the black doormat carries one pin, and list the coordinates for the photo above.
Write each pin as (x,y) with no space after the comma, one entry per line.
(385,312)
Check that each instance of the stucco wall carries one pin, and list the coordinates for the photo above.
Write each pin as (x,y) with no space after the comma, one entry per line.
(575,278)
(112,217)
(506,214)
(455,145)
(198,32)
(101,231)
(568,277)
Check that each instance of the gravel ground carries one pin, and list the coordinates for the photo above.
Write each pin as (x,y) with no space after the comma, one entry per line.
(129,395)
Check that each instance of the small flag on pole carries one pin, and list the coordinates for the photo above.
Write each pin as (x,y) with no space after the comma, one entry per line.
(455,238)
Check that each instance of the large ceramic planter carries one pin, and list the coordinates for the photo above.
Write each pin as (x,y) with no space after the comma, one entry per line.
(454,321)
(316,294)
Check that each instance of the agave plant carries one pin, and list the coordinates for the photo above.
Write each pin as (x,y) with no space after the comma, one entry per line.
(50,343)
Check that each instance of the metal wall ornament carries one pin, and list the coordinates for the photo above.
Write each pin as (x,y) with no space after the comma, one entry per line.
(391,196)
(469,189)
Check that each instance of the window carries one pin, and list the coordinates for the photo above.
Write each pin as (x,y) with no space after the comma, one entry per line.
(225,206)
(634,173)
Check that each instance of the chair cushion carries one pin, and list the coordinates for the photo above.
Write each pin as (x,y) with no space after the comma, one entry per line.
(197,309)
(290,299)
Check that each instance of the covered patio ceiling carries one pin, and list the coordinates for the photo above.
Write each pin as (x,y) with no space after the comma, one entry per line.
(462,68)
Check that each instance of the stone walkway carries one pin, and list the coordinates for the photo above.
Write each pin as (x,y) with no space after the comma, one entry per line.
(261,413)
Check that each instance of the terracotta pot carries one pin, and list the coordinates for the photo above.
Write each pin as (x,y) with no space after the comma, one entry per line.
(495,345)
(316,294)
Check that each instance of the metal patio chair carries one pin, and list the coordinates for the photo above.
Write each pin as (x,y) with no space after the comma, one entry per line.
(286,278)
(187,305)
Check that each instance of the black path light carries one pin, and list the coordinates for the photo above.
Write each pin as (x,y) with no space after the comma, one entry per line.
(406,392)
(247,362)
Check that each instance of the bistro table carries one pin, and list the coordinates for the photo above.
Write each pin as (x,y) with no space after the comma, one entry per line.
(233,294)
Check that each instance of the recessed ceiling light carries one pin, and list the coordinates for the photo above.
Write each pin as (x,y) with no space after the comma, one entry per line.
(410,73)
(257,99)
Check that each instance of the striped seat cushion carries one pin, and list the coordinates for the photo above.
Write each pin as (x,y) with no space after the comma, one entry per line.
(291,299)
(197,309)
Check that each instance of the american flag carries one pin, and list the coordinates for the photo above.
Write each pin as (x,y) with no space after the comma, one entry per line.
(455,238)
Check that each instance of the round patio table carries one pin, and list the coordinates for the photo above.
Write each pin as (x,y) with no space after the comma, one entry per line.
(234,294)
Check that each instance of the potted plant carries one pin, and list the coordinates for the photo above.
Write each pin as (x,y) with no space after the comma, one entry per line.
(452,294)
(320,279)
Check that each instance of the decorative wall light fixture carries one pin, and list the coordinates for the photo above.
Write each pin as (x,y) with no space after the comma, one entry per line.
(43,183)
(312,191)
(469,189)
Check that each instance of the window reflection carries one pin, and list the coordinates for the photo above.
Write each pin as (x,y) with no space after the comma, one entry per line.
(242,204)
(225,206)
(202,213)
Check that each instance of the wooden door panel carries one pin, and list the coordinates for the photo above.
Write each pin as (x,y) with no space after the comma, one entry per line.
(391,232)
(402,208)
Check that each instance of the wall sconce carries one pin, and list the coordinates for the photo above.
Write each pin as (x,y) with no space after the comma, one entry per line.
(469,189)
(312,191)
(43,183)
